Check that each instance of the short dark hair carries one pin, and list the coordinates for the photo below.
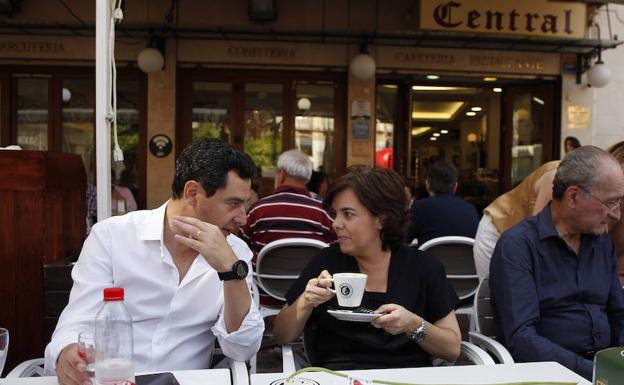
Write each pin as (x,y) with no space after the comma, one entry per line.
(580,167)
(208,162)
(574,142)
(442,177)
(380,190)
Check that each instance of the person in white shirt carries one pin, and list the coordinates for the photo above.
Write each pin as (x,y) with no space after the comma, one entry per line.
(185,273)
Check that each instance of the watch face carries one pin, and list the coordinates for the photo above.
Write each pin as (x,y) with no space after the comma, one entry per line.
(240,269)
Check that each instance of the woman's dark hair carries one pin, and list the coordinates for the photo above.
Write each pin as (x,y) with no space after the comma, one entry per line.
(573,141)
(315,181)
(208,162)
(380,190)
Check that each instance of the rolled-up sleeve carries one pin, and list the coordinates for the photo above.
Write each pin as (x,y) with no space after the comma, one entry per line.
(244,343)
(515,294)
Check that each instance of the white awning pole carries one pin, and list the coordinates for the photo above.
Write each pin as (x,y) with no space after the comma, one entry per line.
(102,106)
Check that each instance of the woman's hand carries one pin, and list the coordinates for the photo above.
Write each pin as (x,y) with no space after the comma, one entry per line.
(397,320)
(316,291)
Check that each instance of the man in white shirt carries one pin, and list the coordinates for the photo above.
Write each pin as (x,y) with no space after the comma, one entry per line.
(185,273)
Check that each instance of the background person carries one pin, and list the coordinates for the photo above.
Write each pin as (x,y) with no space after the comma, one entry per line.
(528,198)
(571,143)
(184,273)
(409,286)
(443,213)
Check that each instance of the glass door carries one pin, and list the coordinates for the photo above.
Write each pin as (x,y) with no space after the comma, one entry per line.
(529,130)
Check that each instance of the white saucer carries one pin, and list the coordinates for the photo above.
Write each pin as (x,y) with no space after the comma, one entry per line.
(348,315)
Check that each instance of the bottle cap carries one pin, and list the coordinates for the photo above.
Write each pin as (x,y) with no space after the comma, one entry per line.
(114,294)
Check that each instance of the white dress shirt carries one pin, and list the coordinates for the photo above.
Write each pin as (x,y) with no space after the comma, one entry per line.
(174,323)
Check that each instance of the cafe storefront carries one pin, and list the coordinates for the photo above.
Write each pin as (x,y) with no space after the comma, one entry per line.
(476,83)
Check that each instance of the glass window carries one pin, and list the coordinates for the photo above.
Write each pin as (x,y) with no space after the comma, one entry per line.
(263,124)
(78,120)
(211,111)
(32,113)
(528,126)
(384,126)
(314,124)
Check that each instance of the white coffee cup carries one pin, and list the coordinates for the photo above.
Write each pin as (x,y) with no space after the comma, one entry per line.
(349,288)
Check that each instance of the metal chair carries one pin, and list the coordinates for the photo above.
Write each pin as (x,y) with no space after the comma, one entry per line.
(487,329)
(281,262)
(455,254)
(30,368)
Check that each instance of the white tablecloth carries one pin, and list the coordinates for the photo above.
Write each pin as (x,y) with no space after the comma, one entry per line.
(184,377)
(473,374)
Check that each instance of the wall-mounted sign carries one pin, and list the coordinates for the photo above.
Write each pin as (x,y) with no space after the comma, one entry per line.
(360,109)
(360,130)
(579,117)
(555,19)
(160,145)
(518,62)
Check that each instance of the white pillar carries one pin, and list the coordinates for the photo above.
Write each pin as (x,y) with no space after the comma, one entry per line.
(102,106)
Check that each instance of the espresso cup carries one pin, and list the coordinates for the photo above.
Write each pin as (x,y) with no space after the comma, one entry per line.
(349,288)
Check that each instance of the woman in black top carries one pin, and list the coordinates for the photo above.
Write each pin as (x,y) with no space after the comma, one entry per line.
(409,286)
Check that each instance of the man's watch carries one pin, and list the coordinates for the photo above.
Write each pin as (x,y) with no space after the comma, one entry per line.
(420,332)
(239,271)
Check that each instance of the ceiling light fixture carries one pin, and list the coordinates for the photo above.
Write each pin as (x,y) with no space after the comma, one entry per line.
(476,108)
(490,79)
(420,130)
(444,131)
(471,113)
(433,77)
(363,64)
(497,89)
(304,104)
(433,139)
(436,134)
(151,58)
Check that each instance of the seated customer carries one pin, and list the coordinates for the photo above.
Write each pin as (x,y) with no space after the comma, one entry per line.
(443,213)
(554,276)
(409,286)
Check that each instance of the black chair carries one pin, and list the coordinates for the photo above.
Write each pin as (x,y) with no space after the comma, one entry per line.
(57,284)
(281,262)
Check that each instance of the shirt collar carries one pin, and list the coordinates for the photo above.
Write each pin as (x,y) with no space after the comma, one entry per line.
(154,224)
(289,188)
(545,226)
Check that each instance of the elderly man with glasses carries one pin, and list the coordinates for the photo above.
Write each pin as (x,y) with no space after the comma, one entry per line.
(554,276)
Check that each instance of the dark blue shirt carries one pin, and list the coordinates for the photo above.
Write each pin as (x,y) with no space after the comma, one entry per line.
(442,215)
(553,303)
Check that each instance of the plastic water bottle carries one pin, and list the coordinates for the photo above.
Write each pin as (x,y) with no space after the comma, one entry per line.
(113,341)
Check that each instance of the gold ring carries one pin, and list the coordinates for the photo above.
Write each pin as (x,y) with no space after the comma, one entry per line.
(198,234)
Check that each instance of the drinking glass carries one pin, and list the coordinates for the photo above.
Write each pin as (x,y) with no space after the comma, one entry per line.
(4,347)
(86,351)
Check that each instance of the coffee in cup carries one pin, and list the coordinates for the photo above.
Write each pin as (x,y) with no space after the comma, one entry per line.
(349,288)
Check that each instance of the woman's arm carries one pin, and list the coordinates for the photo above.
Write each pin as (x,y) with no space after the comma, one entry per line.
(290,321)
(443,339)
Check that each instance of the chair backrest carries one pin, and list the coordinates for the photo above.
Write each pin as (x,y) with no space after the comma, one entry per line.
(30,368)
(485,311)
(281,262)
(456,255)
(57,283)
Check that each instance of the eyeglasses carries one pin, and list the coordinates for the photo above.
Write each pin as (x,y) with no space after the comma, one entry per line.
(610,204)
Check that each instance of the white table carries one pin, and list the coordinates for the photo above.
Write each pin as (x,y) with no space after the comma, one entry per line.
(184,377)
(472,374)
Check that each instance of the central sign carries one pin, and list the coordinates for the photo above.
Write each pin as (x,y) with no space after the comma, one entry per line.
(527,17)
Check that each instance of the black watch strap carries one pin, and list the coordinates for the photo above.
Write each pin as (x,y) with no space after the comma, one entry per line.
(239,271)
